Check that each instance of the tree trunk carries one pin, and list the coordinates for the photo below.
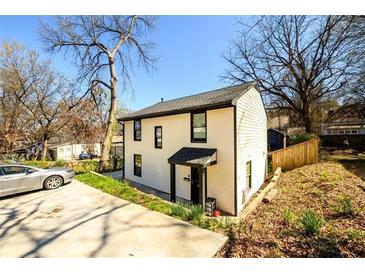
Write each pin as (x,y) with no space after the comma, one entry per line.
(307,121)
(44,149)
(105,150)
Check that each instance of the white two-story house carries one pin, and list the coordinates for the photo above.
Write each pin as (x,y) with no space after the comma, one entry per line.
(212,144)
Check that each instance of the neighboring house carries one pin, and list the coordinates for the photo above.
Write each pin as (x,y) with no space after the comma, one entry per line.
(284,121)
(117,142)
(345,127)
(346,120)
(276,139)
(278,118)
(212,144)
(69,151)
(278,122)
(117,146)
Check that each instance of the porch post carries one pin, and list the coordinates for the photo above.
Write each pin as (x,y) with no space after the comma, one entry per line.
(172,183)
(201,187)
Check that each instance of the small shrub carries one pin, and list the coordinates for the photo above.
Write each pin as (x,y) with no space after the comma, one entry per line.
(301,138)
(325,176)
(179,210)
(288,216)
(356,235)
(60,163)
(195,213)
(241,229)
(226,224)
(315,192)
(311,222)
(207,223)
(345,205)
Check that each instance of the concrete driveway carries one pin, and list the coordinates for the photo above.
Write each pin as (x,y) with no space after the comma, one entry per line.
(79,221)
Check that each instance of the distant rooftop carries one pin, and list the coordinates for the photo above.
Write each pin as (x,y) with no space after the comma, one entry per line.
(348,114)
(209,99)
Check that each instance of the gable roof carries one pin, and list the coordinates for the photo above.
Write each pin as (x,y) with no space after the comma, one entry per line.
(211,99)
(348,114)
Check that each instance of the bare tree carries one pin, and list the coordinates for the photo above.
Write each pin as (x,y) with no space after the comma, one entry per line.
(297,61)
(13,121)
(101,46)
(41,93)
(87,122)
(356,93)
(10,112)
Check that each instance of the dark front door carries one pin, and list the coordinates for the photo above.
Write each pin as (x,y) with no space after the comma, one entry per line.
(195,186)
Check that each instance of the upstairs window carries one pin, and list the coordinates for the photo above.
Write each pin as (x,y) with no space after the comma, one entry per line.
(199,127)
(138,165)
(158,137)
(248,174)
(137,130)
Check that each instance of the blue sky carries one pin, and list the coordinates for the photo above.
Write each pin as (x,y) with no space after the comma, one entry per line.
(189,50)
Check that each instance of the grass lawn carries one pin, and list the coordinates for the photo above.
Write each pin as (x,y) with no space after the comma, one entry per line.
(192,214)
(125,192)
(318,212)
(352,160)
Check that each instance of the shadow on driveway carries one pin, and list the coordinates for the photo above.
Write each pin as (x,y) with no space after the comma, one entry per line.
(79,221)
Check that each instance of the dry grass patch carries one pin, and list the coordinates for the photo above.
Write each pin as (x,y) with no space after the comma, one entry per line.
(334,228)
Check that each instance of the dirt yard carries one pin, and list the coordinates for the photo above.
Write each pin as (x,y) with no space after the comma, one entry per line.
(336,196)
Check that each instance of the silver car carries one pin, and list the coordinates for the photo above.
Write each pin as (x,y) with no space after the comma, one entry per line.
(16,178)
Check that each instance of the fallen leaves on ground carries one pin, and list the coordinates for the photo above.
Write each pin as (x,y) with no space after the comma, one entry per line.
(320,187)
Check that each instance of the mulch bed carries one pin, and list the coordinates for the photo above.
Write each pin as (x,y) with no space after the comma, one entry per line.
(317,187)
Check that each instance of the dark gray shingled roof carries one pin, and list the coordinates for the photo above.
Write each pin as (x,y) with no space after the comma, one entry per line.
(193,156)
(215,98)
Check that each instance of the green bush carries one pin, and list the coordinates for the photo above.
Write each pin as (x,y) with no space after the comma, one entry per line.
(356,235)
(196,212)
(241,229)
(78,166)
(301,138)
(226,223)
(179,210)
(345,205)
(187,212)
(311,222)
(288,216)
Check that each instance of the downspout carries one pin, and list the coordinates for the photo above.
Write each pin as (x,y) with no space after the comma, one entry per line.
(235,158)
(123,132)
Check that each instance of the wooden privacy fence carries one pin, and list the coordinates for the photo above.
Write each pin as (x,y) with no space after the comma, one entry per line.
(296,156)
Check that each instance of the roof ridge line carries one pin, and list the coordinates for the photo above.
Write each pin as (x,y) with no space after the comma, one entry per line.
(213,90)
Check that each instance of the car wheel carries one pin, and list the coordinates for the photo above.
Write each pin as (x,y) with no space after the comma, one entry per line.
(53,182)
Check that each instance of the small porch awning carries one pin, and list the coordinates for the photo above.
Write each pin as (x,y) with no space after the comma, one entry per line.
(195,157)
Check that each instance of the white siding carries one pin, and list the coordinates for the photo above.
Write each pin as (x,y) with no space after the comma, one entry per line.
(251,143)
(175,135)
